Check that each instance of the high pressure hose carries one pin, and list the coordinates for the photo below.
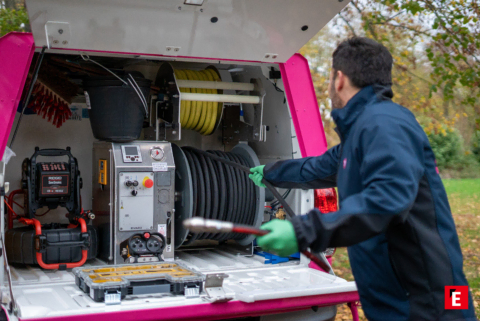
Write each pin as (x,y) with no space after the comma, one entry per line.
(246,170)
(220,192)
(200,116)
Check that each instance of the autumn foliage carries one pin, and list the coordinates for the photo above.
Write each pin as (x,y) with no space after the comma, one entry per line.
(435,45)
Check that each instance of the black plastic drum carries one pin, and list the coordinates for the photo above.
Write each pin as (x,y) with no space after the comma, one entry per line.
(115,109)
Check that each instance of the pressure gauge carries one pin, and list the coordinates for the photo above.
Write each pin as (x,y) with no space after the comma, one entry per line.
(157,153)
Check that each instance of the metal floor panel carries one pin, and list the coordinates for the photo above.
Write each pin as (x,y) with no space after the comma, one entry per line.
(28,275)
(283,282)
(41,293)
(68,299)
(214,260)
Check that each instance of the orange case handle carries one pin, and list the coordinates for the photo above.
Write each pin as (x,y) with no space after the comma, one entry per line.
(54,266)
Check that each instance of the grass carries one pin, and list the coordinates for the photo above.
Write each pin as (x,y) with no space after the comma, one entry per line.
(464,198)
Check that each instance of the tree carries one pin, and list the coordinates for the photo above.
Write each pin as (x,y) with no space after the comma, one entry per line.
(449,27)
(13,17)
(319,54)
(435,45)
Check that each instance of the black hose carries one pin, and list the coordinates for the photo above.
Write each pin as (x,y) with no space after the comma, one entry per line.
(274,191)
(240,195)
(214,195)
(223,206)
(232,184)
(199,201)
(208,190)
(251,202)
(221,192)
(284,196)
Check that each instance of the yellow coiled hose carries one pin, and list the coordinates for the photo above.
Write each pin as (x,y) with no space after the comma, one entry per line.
(201,116)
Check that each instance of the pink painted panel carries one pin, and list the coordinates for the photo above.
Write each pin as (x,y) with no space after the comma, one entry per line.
(302,100)
(216,311)
(16,52)
(353,310)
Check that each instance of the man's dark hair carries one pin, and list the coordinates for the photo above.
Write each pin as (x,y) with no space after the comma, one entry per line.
(364,61)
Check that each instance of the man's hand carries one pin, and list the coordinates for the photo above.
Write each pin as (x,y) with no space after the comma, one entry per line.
(257,175)
(281,240)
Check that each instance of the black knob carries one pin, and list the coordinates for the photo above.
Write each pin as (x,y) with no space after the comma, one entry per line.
(135,183)
(134,193)
(129,183)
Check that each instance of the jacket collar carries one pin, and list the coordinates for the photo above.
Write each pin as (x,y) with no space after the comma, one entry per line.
(345,117)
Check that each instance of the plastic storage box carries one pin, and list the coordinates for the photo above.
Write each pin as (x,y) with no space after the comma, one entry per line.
(113,283)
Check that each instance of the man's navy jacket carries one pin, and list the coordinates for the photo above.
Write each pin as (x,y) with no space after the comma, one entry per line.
(394,214)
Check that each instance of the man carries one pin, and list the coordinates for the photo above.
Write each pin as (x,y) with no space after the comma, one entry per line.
(394,214)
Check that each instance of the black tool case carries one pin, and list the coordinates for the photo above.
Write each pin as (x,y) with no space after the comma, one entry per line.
(63,245)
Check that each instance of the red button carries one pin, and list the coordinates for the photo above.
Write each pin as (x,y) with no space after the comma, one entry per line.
(147,182)
(146,235)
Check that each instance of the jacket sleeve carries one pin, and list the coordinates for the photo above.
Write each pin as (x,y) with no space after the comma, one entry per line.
(306,173)
(391,166)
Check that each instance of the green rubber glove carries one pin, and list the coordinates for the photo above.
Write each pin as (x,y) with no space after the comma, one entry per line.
(257,175)
(281,240)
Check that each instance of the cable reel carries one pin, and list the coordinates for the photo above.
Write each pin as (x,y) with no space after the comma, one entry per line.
(201,116)
(194,99)
(211,189)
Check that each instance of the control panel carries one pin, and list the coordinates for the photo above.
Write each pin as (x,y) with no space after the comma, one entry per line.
(54,179)
(131,154)
(136,201)
(138,178)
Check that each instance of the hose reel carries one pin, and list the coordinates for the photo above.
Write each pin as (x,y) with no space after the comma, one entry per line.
(202,116)
(194,99)
(210,189)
